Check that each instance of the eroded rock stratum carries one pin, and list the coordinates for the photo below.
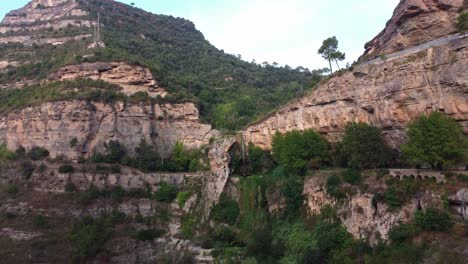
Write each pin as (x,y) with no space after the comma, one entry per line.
(387,94)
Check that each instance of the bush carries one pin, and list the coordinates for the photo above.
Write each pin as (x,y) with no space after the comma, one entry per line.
(333,187)
(89,195)
(20,152)
(115,169)
(40,221)
(38,153)
(294,149)
(6,154)
(66,168)
(401,233)
(462,22)
(27,169)
(166,193)
(352,176)
(149,234)
(226,211)
(188,226)
(433,220)
(88,236)
(73,142)
(182,197)
(363,146)
(436,140)
(12,189)
(332,236)
(70,187)
(393,198)
(115,152)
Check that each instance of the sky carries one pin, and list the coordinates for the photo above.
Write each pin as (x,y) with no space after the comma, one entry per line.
(288,32)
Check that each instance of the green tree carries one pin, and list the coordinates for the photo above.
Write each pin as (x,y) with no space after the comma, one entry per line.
(435,139)
(363,146)
(294,149)
(329,51)
(462,20)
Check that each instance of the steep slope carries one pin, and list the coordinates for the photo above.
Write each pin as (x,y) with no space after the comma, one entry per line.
(387,92)
(45,36)
(415,22)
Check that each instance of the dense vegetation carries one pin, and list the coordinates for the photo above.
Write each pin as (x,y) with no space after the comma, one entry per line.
(436,140)
(229,91)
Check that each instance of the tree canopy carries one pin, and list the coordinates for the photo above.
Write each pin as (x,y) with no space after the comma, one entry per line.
(294,149)
(363,146)
(436,140)
(329,51)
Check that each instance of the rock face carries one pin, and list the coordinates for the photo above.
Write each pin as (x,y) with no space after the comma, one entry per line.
(363,218)
(54,125)
(30,24)
(131,78)
(415,22)
(215,184)
(388,94)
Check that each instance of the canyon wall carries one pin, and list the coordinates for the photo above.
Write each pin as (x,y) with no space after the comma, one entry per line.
(54,125)
(415,22)
(386,93)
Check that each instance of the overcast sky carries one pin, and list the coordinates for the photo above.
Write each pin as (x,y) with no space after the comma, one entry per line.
(284,31)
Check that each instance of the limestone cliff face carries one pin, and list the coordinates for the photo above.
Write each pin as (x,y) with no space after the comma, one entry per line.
(29,24)
(363,218)
(415,22)
(131,78)
(54,125)
(386,93)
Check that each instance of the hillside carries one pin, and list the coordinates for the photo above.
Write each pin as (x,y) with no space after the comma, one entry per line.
(119,146)
(229,92)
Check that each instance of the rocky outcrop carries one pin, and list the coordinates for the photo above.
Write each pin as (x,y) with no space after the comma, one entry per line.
(32,23)
(215,184)
(415,22)
(388,94)
(364,218)
(38,11)
(131,78)
(54,125)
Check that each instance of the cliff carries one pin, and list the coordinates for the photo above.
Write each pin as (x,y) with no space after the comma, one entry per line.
(387,92)
(415,22)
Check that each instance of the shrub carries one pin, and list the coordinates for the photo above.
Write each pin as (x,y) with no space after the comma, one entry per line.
(149,234)
(6,154)
(401,233)
(226,211)
(73,142)
(332,236)
(66,168)
(115,168)
(38,153)
(333,187)
(20,152)
(40,221)
(462,22)
(117,194)
(433,220)
(89,195)
(363,146)
(294,149)
(88,236)
(166,193)
(12,189)
(437,140)
(70,187)
(352,176)
(27,169)
(188,226)
(393,198)
(115,152)
(182,197)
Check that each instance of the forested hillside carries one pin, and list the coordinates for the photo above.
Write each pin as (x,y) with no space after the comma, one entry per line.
(229,91)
